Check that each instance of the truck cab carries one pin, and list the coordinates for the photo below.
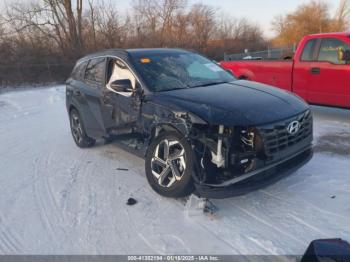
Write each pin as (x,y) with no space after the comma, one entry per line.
(319,71)
(320,75)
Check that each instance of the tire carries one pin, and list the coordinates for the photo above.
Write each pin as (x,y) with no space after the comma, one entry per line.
(169,172)
(243,78)
(78,131)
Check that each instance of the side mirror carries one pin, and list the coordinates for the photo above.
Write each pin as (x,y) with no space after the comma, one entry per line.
(122,85)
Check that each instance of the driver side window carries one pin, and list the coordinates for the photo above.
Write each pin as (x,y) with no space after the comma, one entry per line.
(117,70)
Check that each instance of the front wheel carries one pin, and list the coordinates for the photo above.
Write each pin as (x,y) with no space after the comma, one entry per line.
(78,131)
(168,165)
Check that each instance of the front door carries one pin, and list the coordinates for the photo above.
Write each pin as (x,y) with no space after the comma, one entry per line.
(302,68)
(126,105)
(330,76)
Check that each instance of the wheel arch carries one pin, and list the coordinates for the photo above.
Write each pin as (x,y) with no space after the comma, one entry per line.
(243,77)
(71,108)
(162,127)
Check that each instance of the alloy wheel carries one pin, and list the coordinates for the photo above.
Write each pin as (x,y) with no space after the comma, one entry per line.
(168,162)
(77,130)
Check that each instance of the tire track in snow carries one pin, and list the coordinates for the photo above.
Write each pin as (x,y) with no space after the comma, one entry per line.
(244,210)
(73,173)
(302,221)
(308,225)
(48,208)
(308,203)
(221,239)
(9,243)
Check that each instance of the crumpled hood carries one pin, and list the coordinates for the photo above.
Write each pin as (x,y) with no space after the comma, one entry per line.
(240,103)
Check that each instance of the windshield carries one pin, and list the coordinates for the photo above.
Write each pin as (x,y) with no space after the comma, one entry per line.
(169,71)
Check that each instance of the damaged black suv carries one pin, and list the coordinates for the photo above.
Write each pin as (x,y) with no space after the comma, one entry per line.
(201,129)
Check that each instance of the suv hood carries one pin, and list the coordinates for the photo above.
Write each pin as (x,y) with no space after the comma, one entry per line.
(239,103)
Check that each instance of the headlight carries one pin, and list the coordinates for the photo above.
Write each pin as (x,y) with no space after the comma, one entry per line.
(193,118)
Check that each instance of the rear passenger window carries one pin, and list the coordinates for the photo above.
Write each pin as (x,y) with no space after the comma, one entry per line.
(308,51)
(95,70)
(78,71)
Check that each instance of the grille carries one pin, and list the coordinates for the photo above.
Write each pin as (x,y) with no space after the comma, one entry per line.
(276,138)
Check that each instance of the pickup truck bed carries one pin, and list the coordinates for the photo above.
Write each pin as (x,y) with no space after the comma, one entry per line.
(275,73)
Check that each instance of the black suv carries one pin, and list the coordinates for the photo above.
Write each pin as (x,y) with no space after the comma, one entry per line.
(201,129)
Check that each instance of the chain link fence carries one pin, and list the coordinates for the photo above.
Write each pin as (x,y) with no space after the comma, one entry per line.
(286,52)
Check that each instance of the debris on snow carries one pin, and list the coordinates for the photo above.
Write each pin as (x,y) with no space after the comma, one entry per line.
(122,169)
(196,206)
(210,208)
(131,201)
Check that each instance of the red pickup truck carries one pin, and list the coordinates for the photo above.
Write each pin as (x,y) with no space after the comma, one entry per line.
(319,71)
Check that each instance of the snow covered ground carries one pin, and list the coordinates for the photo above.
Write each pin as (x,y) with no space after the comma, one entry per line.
(58,199)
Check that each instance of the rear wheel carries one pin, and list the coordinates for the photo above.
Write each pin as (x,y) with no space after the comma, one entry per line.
(243,78)
(78,131)
(168,165)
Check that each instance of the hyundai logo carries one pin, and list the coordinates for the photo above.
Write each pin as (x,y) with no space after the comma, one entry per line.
(293,127)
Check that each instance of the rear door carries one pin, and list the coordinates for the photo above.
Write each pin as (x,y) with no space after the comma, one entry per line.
(73,86)
(330,77)
(92,110)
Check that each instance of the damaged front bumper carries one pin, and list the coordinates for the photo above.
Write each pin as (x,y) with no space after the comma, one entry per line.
(253,157)
(255,179)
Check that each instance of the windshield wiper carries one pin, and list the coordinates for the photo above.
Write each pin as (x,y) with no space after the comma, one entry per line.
(210,84)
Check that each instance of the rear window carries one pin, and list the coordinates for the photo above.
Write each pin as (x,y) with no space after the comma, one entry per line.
(308,52)
(78,71)
(95,70)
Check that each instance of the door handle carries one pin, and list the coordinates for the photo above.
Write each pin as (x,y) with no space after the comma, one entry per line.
(315,70)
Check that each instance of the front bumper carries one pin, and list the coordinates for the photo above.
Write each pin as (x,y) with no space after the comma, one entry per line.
(256,179)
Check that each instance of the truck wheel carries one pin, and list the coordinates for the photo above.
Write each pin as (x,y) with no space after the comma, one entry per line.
(78,131)
(243,78)
(168,165)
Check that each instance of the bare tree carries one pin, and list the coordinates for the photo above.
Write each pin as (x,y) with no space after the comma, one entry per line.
(156,19)
(53,18)
(342,17)
(202,21)
(43,38)
(313,17)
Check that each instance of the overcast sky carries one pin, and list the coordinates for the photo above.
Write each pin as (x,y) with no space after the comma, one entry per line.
(259,11)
